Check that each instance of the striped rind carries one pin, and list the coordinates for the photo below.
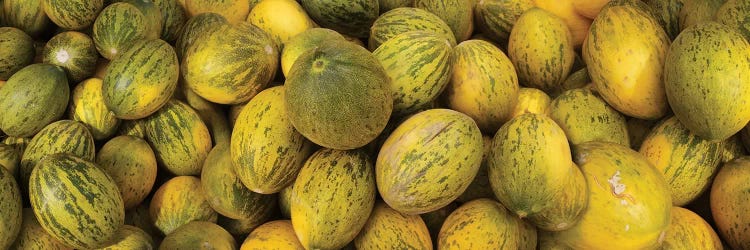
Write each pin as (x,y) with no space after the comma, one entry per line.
(34,97)
(419,65)
(428,161)
(16,51)
(180,201)
(33,236)
(734,14)
(689,231)
(72,14)
(687,161)
(18,143)
(667,12)
(458,14)
(195,28)
(27,15)
(9,158)
(495,18)
(207,235)
(129,237)
(226,194)
(484,84)
(480,224)
(350,17)
(141,80)
(152,12)
(586,117)
(231,64)
(274,234)
(135,128)
(87,106)
(173,17)
(234,11)
(63,136)
(303,42)
(117,27)
(240,226)
(730,202)
(332,198)
(388,229)
(405,19)
(480,187)
(73,51)
(10,208)
(266,150)
(75,201)
(132,165)
(212,114)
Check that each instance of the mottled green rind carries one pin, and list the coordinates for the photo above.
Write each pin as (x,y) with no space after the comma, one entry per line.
(337,95)
(207,235)
(141,80)
(87,106)
(332,198)
(484,223)
(495,18)
(132,165)
(73,51)
(388,229)
(16,51)
(135,128)
(130,238)
(586,117)
(34,97)
(75,201)
(736,14)
(173,17)
(117,27)
(27,15)
(419,65)
(179,138)
(9,158)
(405,19)
(72,14)
(152,12)
(428,161)
(33,236)
(667,12)
(10,208)
(458,14)
(706,78)
(195,28)
(349,17)
(178,202)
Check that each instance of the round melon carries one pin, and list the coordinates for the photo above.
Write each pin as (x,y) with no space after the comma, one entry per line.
(302,42)
(234,11)
(585,117)
(541,49)
(72,14)
(625,53)
(688,162)
(9,158)
(76,201)
(33,236)
(34,97)
(173,17)
(130,237)
(531,101)
(132,165)
(729,203)
(87,106)
(332,198)
(353,18)
(405,19)
(267,16)
(118,27)
(428,161)
(11,208)
(16,51)
(707,78)
(27,15)
(207,235)
(230,64)
(195,28)
(274,234)
(178,202)
(458,14)
(495,18)
(141,80)
(484,84)
(388,229)
(73,51)
(628,203)
(689,231)
(337,96)
(480,224)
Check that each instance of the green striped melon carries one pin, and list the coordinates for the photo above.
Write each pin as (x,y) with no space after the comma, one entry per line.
(266,151)
(667,11)
(405,19)
(87,106)
(76,201)
(332,198)
(16,51)
(480,224)
(532,148)
(234,11)
(729,203)
(230,64)
(73,51)
(274,234)
(388,229)
(131,163)
(541,48)
(33,236)
(302,42)
(10,208)
(152,12)
(419,65)
(585,117)
(688,162)
(9,158)
(335,75)
(179,138)
(34,97)
(72,14)
(458,14)
(27,15)
(199,234)
(706,76)
(387,5)
(65,136)
(688,230)
(141,80)
(211,114)
(428,161)
(349,17)
(135,128)
(118,27)
(129,237)
(195,28)
(495,18)
(625,53)
(180,201)
(734,14)
(226,194)
(173,17)
(18,143)
(484,84)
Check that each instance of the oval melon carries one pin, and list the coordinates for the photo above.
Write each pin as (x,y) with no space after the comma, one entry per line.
(729,202)
(87,106)
(178,202)
(733,13)
(480,187)
(337,96)
(495,18)
(27,15)
(302,42)
(195,28)
(117,27)
(267,16)
(212,114)
(73,51)
(689,231)
(11,209)
(405,19)
(349,17)
(207,235)
(585,117)
(16,51)
(706,78)
(32,98)
(480,224)
(274,234)
(388,229)
(131,163)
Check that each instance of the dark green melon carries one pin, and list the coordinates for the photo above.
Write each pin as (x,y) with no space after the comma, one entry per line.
(117,27)
(34,97)
(72,14)
(16,51)
(73,51)
(173,17)
(405,19)
(349,17)
(27,15)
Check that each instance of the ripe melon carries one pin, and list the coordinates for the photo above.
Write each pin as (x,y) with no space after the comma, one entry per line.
(729,202)
(16,51)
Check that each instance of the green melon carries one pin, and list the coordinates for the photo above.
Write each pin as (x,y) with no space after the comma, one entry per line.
(34,97)
(72,14)
(667,11)
(16,51)
(87,106)
(10,208)
(212,114)
(274,234)
(73,51)
(194,28)
(302,42)
(388,229)
(458,14)
(131,163)
(495,18)
(117,27)
(135,128)
(337,95)
(152,12)
(734,14)
(173,17)
(387,5)
(481,224)
(9,158)
(27,15)
(697,11)
(349,17)
(586,117)
(405,19)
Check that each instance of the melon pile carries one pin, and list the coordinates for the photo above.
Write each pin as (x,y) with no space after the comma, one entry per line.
(374,124)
